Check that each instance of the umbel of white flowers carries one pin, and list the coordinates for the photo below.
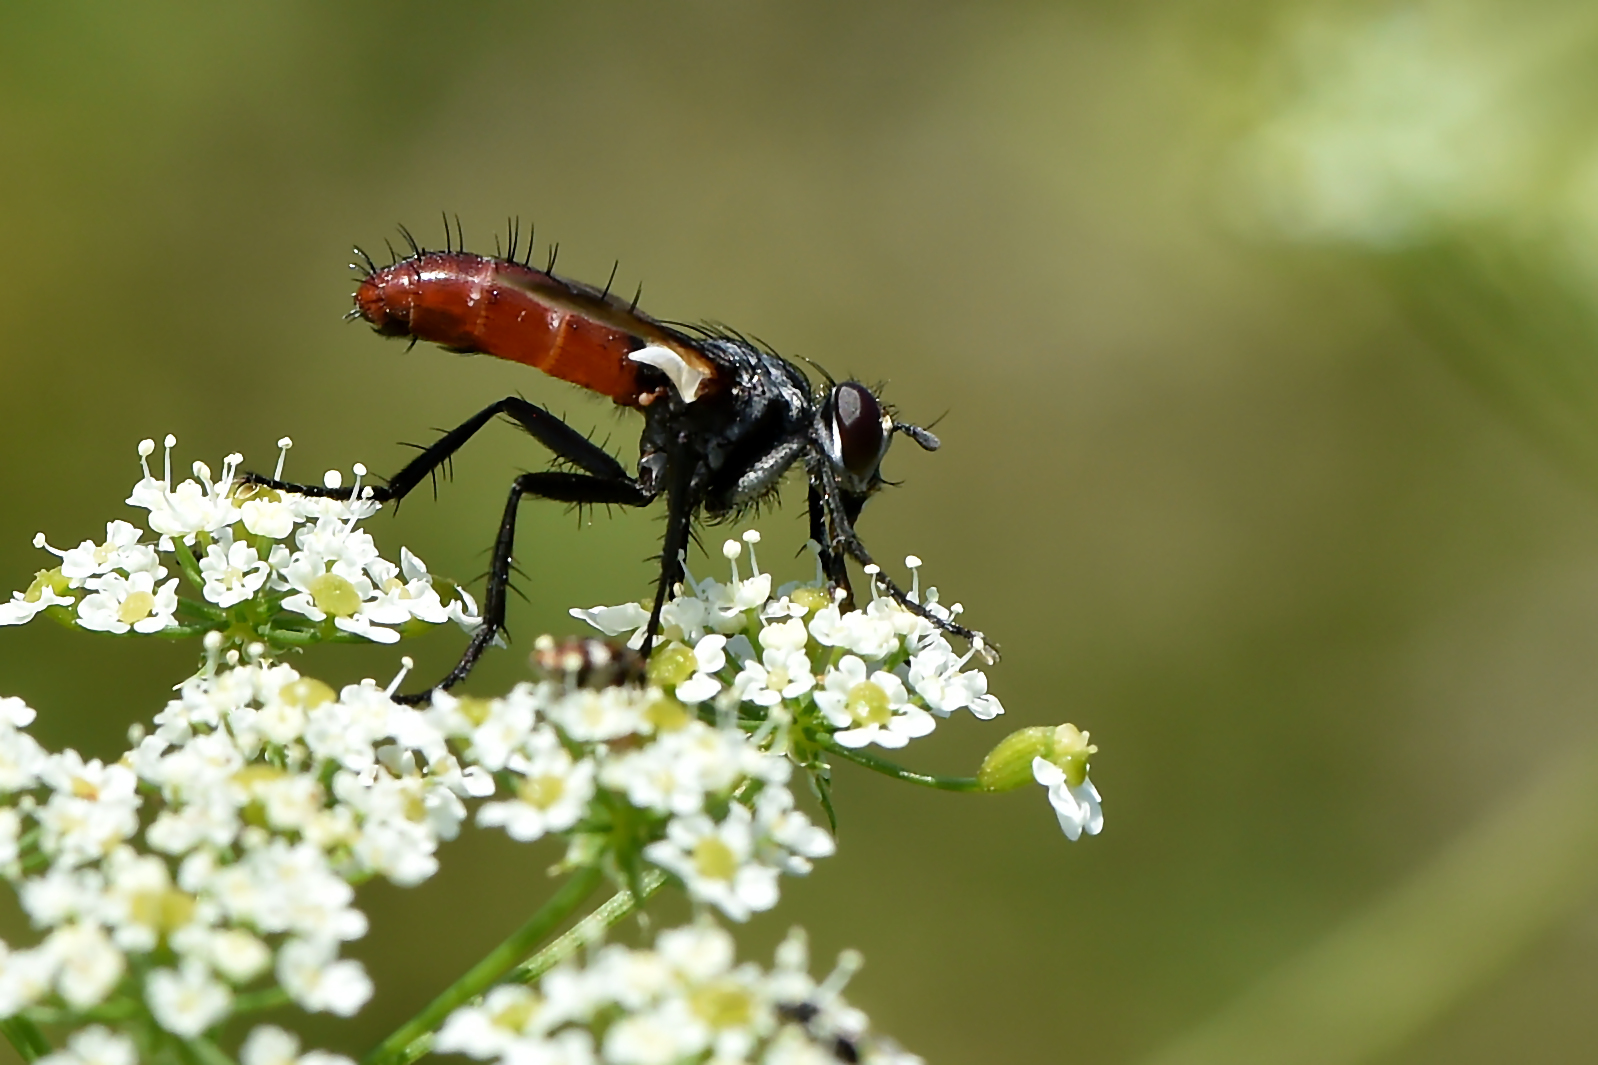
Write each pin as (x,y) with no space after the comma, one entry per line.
(208,872)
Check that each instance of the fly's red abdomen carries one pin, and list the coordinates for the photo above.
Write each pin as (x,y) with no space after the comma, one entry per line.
(470,303)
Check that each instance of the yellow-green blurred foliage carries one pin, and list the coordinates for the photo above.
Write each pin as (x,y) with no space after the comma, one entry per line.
(1265,337)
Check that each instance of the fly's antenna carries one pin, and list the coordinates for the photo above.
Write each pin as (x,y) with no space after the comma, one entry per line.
(416,249)
(638,295)
(921,436)
(613,268)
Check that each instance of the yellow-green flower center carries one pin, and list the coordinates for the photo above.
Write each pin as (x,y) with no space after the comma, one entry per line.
(52,579)
(671,665)
(541,791)
(867,704)
(714,859)
(166,910)
(722,1004)
(666,714)
(812,599)
(334,595)
(307,693)
(136,607)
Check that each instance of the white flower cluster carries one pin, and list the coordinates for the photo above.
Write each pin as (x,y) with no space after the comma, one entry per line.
(687,1000)
(706,803)
(218,854)
(881,675)
(228,538)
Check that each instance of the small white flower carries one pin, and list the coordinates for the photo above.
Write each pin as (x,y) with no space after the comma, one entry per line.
(191,507)
(21,758)
(308,972)
(268,1044)
(870,709)
(94,1045)
(87,964)
(588,716)
(867,635)
(186,1001)
(121,550)
(233,572)
(551,794)
(24,605)
(119,603)
(94,807)
(715,862)
(658,1037)
(613,620)
(490,1029)
(780,674)
(26,977)
(787,838)
(709,657)
(1077,808)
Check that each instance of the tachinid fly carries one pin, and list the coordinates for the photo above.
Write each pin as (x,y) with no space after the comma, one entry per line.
(724,418)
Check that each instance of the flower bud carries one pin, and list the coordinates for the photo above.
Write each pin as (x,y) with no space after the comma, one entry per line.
(51,579)
(1009,765)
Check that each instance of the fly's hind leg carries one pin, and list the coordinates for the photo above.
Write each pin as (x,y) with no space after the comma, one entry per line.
(562,439)
(580,488)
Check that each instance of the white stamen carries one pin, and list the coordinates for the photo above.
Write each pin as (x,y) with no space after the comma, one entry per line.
(730,551)
(166,467)
(406,665)
(332,479)
(873,571)
(849,963)
(815,549)
(752,537)
(914,564)
(283,446)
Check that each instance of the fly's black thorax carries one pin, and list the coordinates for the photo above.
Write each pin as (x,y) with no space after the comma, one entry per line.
(728,449)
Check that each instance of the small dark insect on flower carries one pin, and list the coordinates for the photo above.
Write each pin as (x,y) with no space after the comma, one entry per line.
(724,416)
(586,662)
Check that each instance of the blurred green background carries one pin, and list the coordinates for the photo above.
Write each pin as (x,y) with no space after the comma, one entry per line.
(1265,333)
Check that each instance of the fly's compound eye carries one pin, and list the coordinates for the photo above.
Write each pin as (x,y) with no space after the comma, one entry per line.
(861,430)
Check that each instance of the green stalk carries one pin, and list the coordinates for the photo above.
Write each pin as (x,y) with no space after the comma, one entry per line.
(611,913)
(899,772)
(29,1042)
(488,972)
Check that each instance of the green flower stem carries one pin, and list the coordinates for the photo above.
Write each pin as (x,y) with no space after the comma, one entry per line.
(611,913)
(486,973)
(188,564)
(899,772)
(207,1053)
(265,999)
(29,1042)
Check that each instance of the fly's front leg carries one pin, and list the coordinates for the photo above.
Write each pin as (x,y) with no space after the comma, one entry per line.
(841,509)
(833,566)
